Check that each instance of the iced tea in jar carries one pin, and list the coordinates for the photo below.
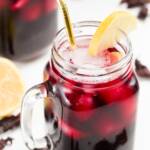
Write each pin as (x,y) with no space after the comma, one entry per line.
(92,99)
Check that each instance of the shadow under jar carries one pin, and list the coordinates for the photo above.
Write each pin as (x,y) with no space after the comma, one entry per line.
(85,108)
(27,27)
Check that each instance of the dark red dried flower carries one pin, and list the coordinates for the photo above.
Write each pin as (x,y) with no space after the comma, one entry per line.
(141,69)
(143,12)
(5,142)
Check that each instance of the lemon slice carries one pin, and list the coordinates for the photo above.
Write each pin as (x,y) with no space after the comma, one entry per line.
(11,88)
(109,31)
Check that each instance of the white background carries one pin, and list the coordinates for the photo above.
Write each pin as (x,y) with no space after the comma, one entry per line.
(97,10)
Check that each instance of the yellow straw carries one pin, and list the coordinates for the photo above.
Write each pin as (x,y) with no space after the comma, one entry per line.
(68,24)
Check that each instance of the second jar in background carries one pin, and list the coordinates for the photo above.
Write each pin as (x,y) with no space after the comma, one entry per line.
(27,27)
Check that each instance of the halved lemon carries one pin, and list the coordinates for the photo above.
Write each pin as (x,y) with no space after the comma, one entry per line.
(109,31)
(11,88)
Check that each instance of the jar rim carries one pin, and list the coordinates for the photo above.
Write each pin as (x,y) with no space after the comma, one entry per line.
(113,67)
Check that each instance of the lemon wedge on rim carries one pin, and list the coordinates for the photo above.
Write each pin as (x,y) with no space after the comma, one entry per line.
(108,31)
(11,88)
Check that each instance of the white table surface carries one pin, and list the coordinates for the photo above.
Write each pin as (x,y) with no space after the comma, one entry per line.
(97,10)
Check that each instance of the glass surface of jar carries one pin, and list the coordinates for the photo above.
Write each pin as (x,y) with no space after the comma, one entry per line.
(27,27)
(92,105)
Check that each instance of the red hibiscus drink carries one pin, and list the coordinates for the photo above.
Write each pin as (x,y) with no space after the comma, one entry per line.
(26,27)
(98,93)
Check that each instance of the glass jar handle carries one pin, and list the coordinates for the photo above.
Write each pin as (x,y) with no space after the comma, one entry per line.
(46,132)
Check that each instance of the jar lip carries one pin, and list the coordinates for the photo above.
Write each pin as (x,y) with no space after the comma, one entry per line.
(93,23)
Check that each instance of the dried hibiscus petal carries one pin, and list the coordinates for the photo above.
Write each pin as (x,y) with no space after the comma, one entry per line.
(133,3)
(143,12)
(5,142)
(9,123)
(138,3)
(141,69)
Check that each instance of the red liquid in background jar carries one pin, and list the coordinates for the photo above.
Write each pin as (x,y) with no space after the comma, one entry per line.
(98,116)
(27,27)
